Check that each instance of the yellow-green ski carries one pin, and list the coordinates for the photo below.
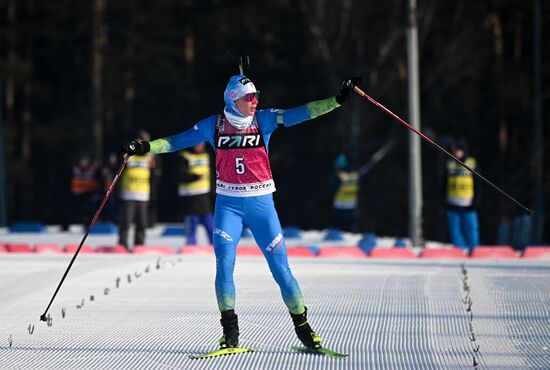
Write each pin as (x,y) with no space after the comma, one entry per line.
(320,351)
(222,352)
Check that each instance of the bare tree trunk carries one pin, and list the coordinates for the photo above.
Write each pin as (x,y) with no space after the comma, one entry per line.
(356,105)
(11,57)
(99,39)
(3,206)
(130,82)
(538,133)
(26,139)
(25,184)
(10,193)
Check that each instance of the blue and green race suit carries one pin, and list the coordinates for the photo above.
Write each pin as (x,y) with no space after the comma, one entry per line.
(255,212)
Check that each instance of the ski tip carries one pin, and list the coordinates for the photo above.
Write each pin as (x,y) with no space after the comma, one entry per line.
(222,352)
(320,351)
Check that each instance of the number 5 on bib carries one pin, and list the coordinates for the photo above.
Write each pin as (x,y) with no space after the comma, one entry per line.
(239,165)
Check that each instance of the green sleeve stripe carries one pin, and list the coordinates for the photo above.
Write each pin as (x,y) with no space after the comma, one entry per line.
(320,107)
(160,146)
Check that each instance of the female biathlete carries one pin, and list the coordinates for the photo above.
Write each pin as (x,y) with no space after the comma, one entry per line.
(244,186)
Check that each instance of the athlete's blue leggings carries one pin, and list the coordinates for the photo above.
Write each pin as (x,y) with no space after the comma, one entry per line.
(259,214)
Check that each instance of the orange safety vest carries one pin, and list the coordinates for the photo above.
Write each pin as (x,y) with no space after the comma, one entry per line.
(84,180)
(108,173)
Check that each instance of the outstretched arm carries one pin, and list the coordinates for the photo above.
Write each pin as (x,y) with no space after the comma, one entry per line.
(186,139)
(293,116)
(202,131)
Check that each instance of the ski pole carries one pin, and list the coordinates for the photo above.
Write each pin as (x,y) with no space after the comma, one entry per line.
(94,220)
(400,120)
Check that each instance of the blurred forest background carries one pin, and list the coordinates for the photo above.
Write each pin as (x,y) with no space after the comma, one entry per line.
(84,75)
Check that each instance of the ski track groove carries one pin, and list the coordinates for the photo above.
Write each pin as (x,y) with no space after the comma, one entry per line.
(385,314)
(512,306)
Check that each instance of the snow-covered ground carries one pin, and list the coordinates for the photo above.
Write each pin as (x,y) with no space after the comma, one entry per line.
(150,312)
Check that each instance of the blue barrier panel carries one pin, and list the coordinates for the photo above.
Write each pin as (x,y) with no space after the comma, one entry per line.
(292,232)
(399,243)
(174,231)
(104,228)
(315,250)
(333,234)
(27,227)
(367,242)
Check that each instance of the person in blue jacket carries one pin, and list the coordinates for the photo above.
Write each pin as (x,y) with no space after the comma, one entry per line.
(244,186)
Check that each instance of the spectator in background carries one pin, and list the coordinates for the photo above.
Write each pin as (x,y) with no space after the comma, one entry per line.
(108,173)
(194,192)
(346,185)
(135,192)
(84,188)
(347,176)
(461,198)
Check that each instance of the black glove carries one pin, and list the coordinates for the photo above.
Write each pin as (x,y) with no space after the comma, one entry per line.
(136,147)
(347,88)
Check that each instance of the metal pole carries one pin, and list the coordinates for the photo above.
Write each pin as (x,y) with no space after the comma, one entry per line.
(538,132)
(3,217)
(415,169)
(98,43)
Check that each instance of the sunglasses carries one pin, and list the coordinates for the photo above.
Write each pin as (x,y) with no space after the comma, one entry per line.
(250,96)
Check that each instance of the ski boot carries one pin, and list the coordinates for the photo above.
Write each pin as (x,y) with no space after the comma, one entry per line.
(305,333)
(230,326)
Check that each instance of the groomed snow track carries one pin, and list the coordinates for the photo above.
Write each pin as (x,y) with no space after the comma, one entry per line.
(149,312)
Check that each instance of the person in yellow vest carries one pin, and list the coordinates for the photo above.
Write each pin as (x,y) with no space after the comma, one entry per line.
(460,187)
(194,192)
(346,194)
(84,188)
(134,195)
